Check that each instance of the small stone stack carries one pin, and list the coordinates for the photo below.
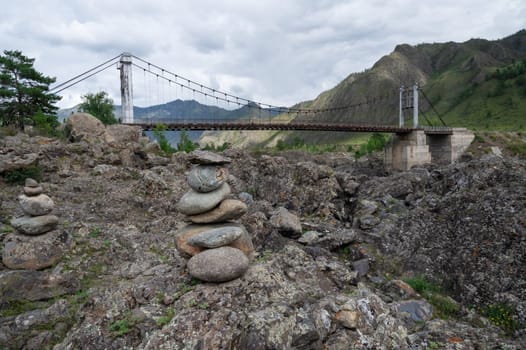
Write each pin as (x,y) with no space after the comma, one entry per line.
(220,250)
(35,244)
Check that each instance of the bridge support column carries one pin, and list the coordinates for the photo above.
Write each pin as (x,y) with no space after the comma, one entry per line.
(446,149)
(407,150)
(126,88)
(419,147)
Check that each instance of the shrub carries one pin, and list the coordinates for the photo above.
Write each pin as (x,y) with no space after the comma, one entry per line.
(185,144)
(18,176)
(160,136)
(501,315)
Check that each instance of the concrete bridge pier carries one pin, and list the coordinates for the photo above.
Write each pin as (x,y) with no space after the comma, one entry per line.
(426,146)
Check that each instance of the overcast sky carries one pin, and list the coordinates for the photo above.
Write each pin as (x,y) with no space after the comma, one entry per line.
(273,51)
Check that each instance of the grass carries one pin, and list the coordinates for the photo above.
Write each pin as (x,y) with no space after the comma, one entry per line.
(518,148)
(123,326)
(165,319)
(443,306)
(184,288)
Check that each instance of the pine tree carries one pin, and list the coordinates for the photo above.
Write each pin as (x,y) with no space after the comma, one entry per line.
(24,91)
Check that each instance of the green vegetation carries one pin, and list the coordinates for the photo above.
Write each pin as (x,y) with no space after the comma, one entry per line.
(185,144)
(18,176)
(123,326)
(375,143)
(94,233)
(443,306)
(185,288)
(518,148)
(214,148)
(298,143)
(501,315)
(164,320)
(99,105)
(24,92)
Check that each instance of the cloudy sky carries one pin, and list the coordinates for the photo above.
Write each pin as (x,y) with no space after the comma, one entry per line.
(273,51)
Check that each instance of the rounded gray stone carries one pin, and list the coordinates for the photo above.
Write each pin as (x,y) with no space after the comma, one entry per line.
(33,191)
(216,237)
(36,205)
(35,225)
(34,252)
(31,182)
(218,264)
(206,178)
(193,202)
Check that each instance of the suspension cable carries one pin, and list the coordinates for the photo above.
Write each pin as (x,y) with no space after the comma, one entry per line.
(432,107)
(86,77)
(80,75)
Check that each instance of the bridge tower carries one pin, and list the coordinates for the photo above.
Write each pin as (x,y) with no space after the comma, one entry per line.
(126,87)
(409,100)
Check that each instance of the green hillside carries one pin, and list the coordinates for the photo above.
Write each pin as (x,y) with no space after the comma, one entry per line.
(479,84)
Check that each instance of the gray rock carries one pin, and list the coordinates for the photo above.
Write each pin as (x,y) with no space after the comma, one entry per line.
(12,161)
(22,285)
(286,223)
(31,182)
(84,127)
(36,205)
(34,252)
(419,310)
(246,197)
(206,178)
(217,237)
(197,203)
(206,157)
(229,209)
(35,225)
(218,265)
(361,266)
(309,237)
(33,191)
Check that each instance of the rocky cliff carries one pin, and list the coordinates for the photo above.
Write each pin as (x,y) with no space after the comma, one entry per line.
(337,282)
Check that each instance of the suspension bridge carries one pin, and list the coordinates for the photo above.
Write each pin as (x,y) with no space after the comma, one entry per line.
(412,144)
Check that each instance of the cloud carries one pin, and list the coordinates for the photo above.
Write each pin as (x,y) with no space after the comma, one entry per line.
(278,52)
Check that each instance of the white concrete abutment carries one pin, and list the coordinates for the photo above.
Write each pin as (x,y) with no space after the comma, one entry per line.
(426,146)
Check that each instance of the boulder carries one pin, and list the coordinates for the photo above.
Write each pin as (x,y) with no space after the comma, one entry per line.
(229,209)
(206,178)
(218,265)
(118,135)
(23,285)
(36,205)
(12,161)
(216,237)
(35,225)
(243,243)
(84,127)
(286,223)
(34,253)
(418,310)
(197,203)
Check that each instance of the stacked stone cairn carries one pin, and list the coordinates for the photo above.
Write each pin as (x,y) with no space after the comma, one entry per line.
(36,244)
(220,250)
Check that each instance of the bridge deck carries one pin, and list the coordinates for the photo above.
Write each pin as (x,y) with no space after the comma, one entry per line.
(237,125)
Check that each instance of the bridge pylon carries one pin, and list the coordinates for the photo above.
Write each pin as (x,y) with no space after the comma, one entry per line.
(126,88)
(409,100)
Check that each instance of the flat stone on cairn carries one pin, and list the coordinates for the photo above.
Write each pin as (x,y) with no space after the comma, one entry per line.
(36,244)
(220,251)
(32,188)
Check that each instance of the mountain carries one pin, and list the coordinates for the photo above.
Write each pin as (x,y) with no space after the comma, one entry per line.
(479,84)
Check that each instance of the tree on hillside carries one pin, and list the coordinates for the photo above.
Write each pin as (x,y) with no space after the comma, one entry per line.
(24,92)
(100,105)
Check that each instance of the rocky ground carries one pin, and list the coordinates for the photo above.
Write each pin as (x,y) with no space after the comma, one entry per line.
(458,229)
